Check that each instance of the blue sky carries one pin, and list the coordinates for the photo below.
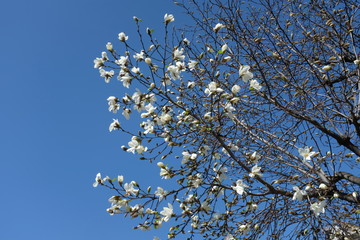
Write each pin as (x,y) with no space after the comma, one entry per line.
(54,117)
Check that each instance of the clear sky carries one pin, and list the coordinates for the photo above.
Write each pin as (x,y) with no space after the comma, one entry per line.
(54,117)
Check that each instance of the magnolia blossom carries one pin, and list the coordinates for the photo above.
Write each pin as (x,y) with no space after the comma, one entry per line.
(240,186)
(164,172)
(117,201)
(235,89)
(299,194)
(255,85)
(245,74)
(255,157)
(174,72)
(244,228)
(125,78)
(135,145)
(306,153)
(98,63)
(255,171)
(123,37)
(188,156)
(122,61)
(135,70)
(318,208)
(191,84)
(126,113)
(106,74)
(218,27)
(168,18)
(109,47)
(167,212)
(98,180)
(161,193)
(192,64)
(148,126)
(186,41)
(129,188)
(113,104)
(150,109)
(195,180)
(178,54)
(115,125)
(139,56)
(212,88)
(220,173)
(229,237)
(224,47)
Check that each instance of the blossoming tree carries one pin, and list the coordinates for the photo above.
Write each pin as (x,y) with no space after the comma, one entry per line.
(253,114)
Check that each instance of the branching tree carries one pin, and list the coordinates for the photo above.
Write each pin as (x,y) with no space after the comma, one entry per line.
(254,117)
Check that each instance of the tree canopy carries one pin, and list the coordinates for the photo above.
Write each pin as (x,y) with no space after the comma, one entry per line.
(252,112)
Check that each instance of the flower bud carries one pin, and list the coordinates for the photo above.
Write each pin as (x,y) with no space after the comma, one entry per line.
(148,61)
(327,68)
(109,47)
(161,164)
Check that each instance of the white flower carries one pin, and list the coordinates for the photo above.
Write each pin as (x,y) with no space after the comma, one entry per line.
(224,48)
(120,179)
(235,89)
(299,194)
(192,64)
(106,74)
(123,37)
(357,62)
(220,173)
(178,54)
(126,113)
(122,61)
(164,173)
(148,61)
(229,237)
(306,154)
(245,74)
(187,156)
(135,70)
(113,104)
(174,72)
(161,193)
(98,180)
(125,78)
(168,18)
(98,63)
(255,157)
(129,188)
(327,68)
(255,171)
(135,145)
(148,126)
(191,85)
(244,229)
(167,212)
(318,208)
(186,41)
(115,125)
(212,88)
(240,186)
(109,47)
(218,27)
(255,85)
(139,56)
